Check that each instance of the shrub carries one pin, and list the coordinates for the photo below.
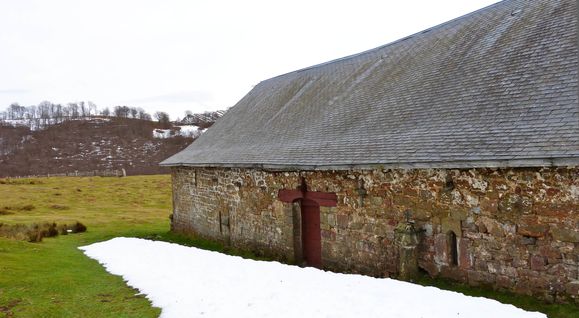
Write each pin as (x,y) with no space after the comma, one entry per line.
(36,232)
(49,230)
(63,229)
(78,228)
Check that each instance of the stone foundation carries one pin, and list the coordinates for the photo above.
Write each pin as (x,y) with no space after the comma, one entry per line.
(515,229)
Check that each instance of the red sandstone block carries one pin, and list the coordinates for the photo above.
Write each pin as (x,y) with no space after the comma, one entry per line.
(453,273)
(465,256)
(441,249)
(538,284)
(538,262)
(343,221)
(533,230)
(572,289)
(328,235)
(489,206)
(550,252)
(523,286)
(481,265)
(554,209)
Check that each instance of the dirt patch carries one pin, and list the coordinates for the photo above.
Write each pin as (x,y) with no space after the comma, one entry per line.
(7,309)
(4,211)
(59,207)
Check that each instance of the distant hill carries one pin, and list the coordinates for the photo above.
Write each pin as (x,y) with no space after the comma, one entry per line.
(98,143)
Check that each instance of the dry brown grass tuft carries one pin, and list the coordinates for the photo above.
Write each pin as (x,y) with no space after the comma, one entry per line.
(37,231)
(59,207)
(27,207)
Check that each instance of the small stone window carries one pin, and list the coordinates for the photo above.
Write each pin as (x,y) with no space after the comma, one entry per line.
(452,249)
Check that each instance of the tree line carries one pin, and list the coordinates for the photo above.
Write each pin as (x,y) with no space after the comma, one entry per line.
(48,112)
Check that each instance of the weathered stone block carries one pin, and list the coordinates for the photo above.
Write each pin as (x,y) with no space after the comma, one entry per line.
(450,224)
(538,284)
(533,230)
(555,209)
(513,204)
(440,249)
(454,273)
(565,235)
(356,226)
(526,240)
(491,226)
(477,278)
(572,289)
(550,252)
(343,221)
(489,205)
(328,235)
(465,254)
(505,282)
(538,262)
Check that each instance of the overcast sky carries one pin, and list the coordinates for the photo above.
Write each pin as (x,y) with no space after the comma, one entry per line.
(175,55)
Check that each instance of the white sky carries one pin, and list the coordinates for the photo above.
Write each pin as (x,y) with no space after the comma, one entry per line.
(174,55)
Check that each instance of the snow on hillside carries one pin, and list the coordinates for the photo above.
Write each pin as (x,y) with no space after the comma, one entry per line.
(185,131)
(39,124)
(190,282)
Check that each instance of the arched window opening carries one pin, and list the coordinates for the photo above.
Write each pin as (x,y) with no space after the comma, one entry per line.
(453,248)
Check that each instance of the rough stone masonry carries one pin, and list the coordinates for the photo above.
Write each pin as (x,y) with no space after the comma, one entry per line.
(513,229)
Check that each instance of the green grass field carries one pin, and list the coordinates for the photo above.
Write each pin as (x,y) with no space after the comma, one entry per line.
(53,278)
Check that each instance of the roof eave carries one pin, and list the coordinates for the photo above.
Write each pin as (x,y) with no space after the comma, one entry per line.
(508,163)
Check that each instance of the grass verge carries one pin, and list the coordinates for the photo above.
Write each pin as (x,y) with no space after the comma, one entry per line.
(525,302)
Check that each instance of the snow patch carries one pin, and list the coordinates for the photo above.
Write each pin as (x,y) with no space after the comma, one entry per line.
(42,123)
(185,131)
(190,282)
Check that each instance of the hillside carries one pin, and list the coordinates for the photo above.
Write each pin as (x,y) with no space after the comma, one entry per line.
(90,144)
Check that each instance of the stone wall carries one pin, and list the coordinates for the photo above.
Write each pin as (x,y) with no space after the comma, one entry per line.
(516,229)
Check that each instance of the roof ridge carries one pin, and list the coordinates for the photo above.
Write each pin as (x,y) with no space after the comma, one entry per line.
(351,56)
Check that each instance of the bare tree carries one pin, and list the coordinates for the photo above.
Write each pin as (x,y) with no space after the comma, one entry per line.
(106,112)
(121,111)
(73,107)
(134,112)
(162,118)
(92,108)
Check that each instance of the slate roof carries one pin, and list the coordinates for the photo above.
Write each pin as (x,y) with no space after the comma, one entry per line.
(497,87)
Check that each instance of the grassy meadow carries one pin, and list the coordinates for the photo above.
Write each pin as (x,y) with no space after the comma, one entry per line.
(53,278)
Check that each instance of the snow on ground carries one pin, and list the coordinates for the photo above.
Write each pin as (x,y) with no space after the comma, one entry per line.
(191,130)
(190,282)
(185,131)
(161,133)
(39,123)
